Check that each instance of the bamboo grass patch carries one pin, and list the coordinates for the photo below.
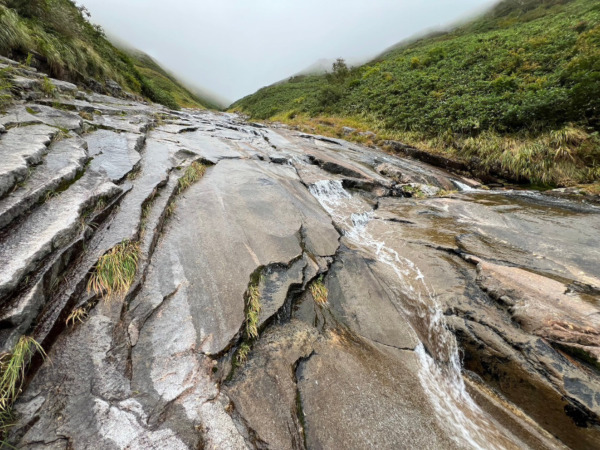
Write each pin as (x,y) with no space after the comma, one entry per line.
(115,271)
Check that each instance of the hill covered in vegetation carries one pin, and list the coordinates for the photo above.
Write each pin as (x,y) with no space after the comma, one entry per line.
(515,92)
(162,79)
(57,37)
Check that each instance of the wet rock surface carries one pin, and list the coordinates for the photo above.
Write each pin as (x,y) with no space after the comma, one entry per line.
(375,275)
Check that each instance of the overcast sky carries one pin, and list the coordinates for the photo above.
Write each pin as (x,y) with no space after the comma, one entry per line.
(234,47)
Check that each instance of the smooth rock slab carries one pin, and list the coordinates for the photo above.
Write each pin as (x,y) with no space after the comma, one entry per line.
(64,161)
(32,113)
(507,227)
(342,390)
(264,391)
(115,154)
(237,229)
(362,299)
(545,308)
(21,148)
(130,124)
(211,149)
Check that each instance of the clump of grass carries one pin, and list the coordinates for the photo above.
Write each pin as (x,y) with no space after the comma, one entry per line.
(99,206)
(48,88)
(62,134)
(319,291)
(115,271)
(77,315)
(5,89)
(146,210)
(50,195)
(414,191)
(242,354)
(446,193)
(171,207)
(134,174)
(86,115)
(192,173)
(12,373)
(253,308)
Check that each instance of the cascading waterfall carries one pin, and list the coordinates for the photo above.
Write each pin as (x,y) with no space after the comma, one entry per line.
(440,373)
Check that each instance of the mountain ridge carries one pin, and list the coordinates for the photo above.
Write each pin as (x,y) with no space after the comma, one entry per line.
(513,93)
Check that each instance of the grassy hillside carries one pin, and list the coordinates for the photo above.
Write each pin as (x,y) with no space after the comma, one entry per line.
(516,92)
(56,36)
(167,82)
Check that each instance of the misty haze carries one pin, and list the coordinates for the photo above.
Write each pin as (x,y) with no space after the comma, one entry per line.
(233,48)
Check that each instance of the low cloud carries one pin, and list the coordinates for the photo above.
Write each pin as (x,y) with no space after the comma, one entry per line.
(234,47)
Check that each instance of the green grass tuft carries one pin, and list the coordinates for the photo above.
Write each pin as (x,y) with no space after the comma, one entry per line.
(192,173)
(243,351)
(253,308)
(115,272)
(12,374)
(252,313)
(48,88)
(6,97)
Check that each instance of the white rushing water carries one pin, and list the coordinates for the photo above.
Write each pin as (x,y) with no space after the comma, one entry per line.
(440,372)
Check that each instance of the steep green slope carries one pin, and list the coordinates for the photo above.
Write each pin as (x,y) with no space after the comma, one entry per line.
(167,82)
(56,37)
(516,91)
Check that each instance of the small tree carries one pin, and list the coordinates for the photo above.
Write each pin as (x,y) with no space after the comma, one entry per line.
(340,71)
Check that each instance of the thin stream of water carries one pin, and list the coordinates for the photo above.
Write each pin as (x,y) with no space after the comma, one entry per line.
(440,372)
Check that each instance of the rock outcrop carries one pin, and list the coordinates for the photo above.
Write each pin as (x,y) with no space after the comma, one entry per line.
(305,292)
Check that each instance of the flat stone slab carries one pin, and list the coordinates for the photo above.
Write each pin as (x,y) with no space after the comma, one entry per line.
(130,124)
(64,161)
(115,154)
(21,148)
(506,227)
(211,149)
(341,389)
(63,86)
(264,391)
(31,113)
(362,299)
(545,307)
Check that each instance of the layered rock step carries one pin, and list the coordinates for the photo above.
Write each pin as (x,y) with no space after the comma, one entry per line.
(65,160)
(48,228)
(20,149)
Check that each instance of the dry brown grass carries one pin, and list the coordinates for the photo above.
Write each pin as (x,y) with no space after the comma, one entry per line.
(319,291)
